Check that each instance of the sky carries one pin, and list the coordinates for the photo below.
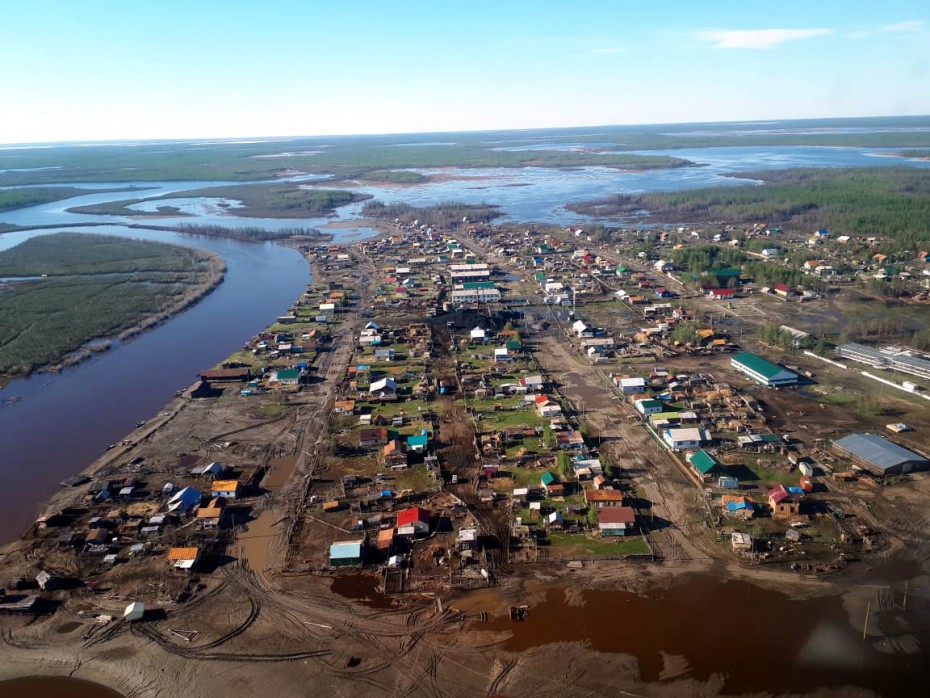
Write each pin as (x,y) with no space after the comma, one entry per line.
(112,70)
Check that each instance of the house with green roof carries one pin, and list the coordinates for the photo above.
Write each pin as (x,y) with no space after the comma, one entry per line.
(704,465)
(763,371)
(648,407)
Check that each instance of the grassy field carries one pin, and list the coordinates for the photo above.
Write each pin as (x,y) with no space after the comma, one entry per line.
(97,287)
(259,201)
(566,544)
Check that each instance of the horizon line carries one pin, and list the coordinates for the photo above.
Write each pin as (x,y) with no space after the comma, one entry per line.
(267,138)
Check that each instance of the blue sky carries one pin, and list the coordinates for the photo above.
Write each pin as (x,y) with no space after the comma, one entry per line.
(102,69)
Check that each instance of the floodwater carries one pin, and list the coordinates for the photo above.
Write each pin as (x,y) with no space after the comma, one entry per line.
(255,544)
(753,638)
(362,588)
(54,687)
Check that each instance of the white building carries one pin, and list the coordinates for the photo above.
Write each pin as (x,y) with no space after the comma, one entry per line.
(679,439)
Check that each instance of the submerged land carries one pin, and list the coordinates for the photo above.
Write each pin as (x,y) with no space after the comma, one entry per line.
(508,458)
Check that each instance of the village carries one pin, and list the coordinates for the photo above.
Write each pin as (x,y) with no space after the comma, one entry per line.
(441,408)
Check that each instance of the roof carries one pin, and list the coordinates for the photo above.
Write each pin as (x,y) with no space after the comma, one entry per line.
(603,496)
(877,451)
(183,553)
(703,461)
(692,434)
(778,493)
(409,516)
(225,486)
(346,550)
(761,366)
(417,440)
(547,478)
(615,515)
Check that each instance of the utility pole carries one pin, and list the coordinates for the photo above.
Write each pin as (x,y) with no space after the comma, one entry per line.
(865,624)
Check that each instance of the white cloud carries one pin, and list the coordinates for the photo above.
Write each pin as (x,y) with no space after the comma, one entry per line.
(756,38)
(914,25)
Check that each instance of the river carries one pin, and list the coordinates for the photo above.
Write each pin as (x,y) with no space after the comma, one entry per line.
(64,421)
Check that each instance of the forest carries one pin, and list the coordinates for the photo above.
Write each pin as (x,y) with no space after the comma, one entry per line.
(893,203)
(96,287)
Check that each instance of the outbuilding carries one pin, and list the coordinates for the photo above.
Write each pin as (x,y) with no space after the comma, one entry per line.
(880,456)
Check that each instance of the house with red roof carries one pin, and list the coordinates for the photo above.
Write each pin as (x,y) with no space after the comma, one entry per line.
(415,518)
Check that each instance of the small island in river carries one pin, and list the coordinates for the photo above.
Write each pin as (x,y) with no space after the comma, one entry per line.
(63,296)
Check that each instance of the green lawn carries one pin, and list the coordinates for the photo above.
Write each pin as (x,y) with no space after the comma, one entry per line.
(577,543)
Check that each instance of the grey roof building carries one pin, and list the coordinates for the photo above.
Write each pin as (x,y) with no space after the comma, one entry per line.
(879,455)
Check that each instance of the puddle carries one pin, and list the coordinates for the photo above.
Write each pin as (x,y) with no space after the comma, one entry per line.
(754,639)
(54,687)
(254,544)
(362,588)
(279,471)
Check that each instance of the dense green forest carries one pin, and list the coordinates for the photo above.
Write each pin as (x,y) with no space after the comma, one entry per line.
(259,201)
(702,260)
(97,287)
(893,203)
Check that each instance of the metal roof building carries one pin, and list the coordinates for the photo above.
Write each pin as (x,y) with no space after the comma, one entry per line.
(763,371)
(879,455)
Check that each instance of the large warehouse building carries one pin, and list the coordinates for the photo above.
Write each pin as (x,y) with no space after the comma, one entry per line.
(879,455)
(762,371)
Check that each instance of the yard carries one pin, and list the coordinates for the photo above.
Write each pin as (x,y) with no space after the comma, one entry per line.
(568,544)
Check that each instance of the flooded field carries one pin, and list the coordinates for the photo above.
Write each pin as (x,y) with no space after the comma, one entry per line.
(751,638)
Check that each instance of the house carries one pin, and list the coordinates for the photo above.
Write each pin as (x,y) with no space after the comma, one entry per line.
(417,443)
(532,383)
(211,515)
(550,484)
(394,454)
(704,465)
(383,389)
(287,376)
(228,489)
(555,519)
(184,500)
(782,290)
(647,407)
(680,439)
(501,355)
(546,407)
(737,507)
(631,386)
(416,518)
(347,553)
(368,438)
(385,541)
(615,521)
(344,407)
(781,503)
(721,293)
(580,329)
(212,470)
(467,539)
(762,371)
(384,354)
(600,499)
(184,558)
(478,335)
(664,266)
